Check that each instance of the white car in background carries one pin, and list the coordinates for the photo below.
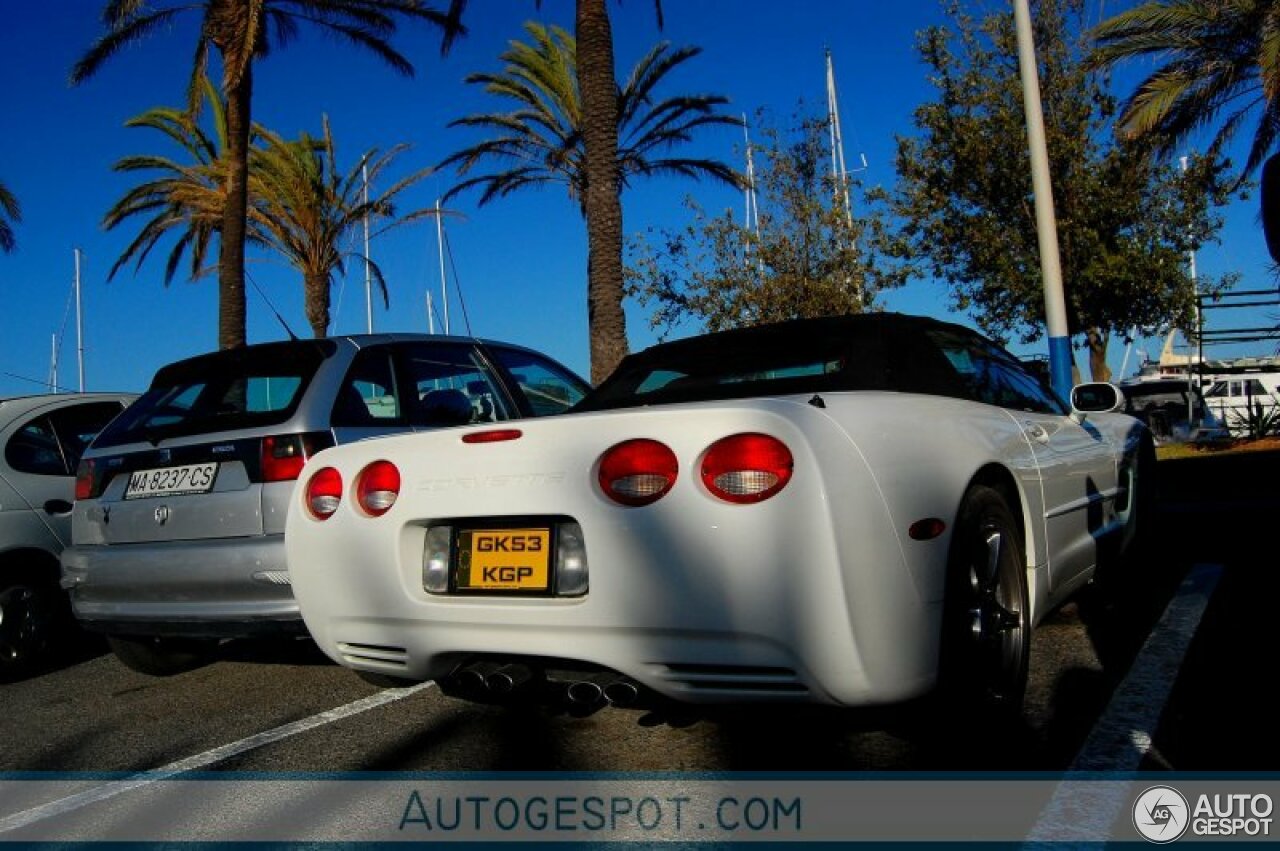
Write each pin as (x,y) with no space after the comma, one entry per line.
(844,511)
(43,438)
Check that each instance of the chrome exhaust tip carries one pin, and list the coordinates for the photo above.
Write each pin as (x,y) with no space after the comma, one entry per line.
(508,678)
(585,693)
(622,693)
(475,677)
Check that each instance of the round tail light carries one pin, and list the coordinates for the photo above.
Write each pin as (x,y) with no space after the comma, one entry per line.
(746,468)
(638,472)
(324,493)
(377,487)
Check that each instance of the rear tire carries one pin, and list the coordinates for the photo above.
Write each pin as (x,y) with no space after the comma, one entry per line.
(986,629)
(161,657)
(32,614)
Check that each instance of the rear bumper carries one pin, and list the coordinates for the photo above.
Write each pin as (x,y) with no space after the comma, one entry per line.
(224,587)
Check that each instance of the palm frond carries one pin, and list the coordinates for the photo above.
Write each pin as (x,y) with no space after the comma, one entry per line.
(125,29)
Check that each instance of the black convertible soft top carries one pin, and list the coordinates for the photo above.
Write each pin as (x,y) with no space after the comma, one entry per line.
(874,351)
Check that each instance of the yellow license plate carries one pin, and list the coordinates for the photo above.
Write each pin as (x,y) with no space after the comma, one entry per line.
(504,560)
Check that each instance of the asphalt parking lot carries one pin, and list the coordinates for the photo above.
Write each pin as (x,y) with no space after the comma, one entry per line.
(280,706)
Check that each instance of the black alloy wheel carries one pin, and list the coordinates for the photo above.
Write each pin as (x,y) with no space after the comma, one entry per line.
(28,621)
(986,628)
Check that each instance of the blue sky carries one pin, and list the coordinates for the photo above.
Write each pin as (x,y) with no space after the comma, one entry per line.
(521,261)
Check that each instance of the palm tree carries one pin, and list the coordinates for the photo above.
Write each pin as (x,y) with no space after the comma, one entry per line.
(10,214)
(242,31)
(188,196)
(602,204)
(1217,56)
(307,209)
(544,140)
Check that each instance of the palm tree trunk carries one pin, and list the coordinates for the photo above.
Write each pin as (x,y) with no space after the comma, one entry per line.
(315,290)
(602,202)
(231,303)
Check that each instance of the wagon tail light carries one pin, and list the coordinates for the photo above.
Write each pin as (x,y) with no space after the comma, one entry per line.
(638,472)
(747,468)
(87,484)
(324,493)
(377,488)
(282,457)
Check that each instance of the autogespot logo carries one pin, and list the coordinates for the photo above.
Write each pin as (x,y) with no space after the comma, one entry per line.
(1161,814)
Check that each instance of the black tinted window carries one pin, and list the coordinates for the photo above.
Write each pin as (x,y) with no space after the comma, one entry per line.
(452,385)
(368,396)
(76,426)
(991,375)
(547,387)
(235,389)
(34,449)
(875,352)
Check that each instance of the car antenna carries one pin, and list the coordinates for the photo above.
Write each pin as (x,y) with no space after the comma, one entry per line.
(271,307)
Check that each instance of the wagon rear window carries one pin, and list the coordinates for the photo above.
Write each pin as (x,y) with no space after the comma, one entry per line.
(241,388)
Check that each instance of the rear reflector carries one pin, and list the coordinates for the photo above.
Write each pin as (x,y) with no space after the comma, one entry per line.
(927,529)
(493,436)
(746,468)
(324,493)
(377,487)
(638,472)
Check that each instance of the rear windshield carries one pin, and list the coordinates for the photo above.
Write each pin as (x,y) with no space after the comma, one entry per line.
(244,388)
(809,357)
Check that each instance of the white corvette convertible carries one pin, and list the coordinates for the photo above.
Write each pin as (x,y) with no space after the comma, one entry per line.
(843,511)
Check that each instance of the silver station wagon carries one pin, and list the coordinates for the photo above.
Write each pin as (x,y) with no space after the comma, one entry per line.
(178,526)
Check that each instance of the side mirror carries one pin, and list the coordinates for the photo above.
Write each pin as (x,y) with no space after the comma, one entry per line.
(1096,398)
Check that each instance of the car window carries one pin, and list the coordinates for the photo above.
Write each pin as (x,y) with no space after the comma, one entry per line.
(452,386)
(368,396)
(76,425)
(991,375)
(34,449)
(545,385)
(234,389)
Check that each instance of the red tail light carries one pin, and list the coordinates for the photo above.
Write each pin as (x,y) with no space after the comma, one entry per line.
(746,468)
(324,493)
(638,472)
(377,487)
(282,458)
(84,480)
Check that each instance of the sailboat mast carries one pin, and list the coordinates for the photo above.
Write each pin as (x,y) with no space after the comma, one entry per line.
(368,276)
(444,284)
(839,174)
(752,208)
(79,326)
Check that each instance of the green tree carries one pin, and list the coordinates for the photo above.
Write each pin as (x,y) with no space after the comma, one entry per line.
(308,209)
(10,214)
(1216,57)
(1125,222)
(543,140)
(187,196)
(810,257)
(241,31)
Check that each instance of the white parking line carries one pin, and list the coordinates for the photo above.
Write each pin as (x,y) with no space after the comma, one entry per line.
(1121,738)
(204,760)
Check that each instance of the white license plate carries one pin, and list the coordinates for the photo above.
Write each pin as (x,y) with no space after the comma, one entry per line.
(171,481)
